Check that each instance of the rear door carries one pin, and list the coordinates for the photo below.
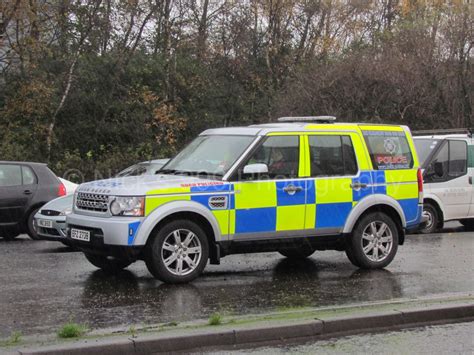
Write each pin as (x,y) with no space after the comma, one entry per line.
(448,178)
(12,197)
(336,183)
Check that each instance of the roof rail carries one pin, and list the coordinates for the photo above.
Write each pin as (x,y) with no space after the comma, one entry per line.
(319,119)
(432,132)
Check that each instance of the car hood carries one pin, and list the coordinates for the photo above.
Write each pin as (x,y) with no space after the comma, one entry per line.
(146,185)
(59,204)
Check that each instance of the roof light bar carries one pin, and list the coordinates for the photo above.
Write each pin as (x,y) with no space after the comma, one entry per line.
(319,119)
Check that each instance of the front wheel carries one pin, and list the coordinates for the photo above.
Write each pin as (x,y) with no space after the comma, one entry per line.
(374,241)
(178,253)
(109,264)
(433,219)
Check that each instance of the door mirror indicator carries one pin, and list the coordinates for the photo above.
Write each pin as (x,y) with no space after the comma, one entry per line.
(255,169)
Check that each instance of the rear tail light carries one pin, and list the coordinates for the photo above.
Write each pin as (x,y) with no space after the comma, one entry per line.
(61,190)
(419,176)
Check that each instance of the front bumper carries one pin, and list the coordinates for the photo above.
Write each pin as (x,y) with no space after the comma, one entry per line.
(113,231)
(57,232)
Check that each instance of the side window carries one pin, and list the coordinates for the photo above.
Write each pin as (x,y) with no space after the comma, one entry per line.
(438,168)
(389,150)
(29,177)
(281,156)
(457,159)
(332,156)
(10,175)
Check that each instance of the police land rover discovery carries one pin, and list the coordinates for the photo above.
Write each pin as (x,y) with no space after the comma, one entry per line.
(296,186)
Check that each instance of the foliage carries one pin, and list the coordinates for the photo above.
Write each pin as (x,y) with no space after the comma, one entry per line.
(72,330)
(215,319)
(92,86)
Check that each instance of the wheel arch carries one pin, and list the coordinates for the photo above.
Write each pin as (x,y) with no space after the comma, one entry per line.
(437,205)
(189,210)
(378,203)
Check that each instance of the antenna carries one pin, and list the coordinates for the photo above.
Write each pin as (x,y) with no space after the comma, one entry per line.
(318,119)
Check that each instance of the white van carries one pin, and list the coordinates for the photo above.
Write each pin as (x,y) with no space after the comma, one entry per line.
(447,160)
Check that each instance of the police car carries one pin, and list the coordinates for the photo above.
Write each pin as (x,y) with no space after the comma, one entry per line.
(296,186)
(447,160)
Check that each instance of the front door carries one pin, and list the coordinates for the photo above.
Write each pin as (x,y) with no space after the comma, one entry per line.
(448,179)
(273,203)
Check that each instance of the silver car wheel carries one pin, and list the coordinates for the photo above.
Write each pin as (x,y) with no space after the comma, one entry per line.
(377,241)
(181,252)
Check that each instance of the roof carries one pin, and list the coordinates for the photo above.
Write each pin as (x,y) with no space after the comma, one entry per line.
(444,136)
(263,129)
(22,163)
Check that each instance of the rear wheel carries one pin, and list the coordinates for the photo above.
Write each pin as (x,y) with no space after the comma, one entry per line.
(107,263)
(433,219)
(374,241)
(468,224)
(178,253)
(299,252)
(30,225)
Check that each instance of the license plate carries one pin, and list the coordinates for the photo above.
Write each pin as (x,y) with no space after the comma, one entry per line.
(45,223)
(78,234)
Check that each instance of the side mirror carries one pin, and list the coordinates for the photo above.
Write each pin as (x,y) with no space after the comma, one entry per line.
(252,169)
(439,169)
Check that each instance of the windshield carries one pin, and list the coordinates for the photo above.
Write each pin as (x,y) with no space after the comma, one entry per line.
(424,147)
(209,155)
(134,170)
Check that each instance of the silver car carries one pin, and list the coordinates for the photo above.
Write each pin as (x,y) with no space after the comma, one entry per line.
(50,221)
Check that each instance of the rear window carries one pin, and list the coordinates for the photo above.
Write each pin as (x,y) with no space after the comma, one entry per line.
(389,150)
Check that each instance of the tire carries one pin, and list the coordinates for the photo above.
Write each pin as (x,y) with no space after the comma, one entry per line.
(385,235)
(9,237)
(433,219)
(108,264)
(30,227)
(168,256)
(468,224)
(300,252)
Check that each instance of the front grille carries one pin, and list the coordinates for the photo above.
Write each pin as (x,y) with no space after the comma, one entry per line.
(49,231)
(50,213)
(92,202)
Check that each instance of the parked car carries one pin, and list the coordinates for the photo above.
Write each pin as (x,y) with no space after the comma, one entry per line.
(70,186)
(50,221)
(292,187)
(447,159)
(24,188)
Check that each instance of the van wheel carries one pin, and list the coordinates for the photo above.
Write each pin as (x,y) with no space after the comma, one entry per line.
(433,219)
(30,226)
(178,253)
(109,264)
(374,241)
(299,252)
(468,224)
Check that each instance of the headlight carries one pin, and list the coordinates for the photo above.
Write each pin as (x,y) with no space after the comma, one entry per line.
(66,211)
(128,206)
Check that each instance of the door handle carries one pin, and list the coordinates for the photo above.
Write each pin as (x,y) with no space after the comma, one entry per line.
(470,180)
(292,189)
(27,192)
(358,186)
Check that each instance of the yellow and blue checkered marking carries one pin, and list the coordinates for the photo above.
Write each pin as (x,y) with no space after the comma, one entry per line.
(264,206)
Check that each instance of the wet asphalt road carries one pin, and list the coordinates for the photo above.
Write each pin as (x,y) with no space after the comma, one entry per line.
(44,285)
